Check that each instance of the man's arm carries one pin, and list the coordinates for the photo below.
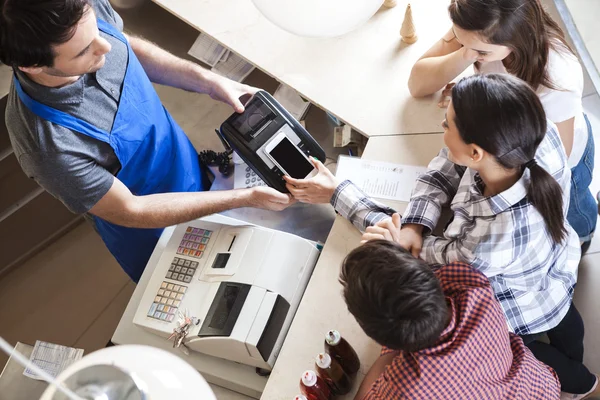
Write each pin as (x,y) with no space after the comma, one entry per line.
(121,207)
(164,68)
(374,373)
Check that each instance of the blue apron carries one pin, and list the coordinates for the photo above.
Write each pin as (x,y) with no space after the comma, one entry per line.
(155,155)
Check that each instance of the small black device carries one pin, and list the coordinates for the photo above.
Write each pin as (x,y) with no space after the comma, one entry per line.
(270,140)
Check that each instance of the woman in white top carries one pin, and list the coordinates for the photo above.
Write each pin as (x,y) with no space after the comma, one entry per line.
(518,37)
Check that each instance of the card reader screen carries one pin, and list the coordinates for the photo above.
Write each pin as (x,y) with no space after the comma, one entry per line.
(291,160)
(253,118)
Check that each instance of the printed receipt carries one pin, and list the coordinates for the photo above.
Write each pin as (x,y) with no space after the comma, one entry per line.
(379,179)
(52,358)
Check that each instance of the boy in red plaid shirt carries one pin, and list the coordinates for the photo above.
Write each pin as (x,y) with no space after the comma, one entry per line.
(443,333)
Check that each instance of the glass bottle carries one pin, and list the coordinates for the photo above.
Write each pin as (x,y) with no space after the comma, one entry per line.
(333,374)
(314,387)
(340,350)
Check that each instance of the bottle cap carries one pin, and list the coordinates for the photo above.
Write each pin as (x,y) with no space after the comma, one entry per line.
(300,397)
(309,378)
(323,360)
(333,338)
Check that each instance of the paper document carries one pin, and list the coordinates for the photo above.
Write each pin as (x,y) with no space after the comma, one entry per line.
(233,67)
(378,179)
(207,50)
(52,358)
(291,101)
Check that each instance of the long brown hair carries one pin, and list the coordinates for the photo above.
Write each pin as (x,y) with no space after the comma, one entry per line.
(504,116)
(521,25)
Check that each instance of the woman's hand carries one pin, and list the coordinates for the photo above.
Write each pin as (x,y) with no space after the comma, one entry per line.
(316,190)
(446,95)
(411,238)
(388,229)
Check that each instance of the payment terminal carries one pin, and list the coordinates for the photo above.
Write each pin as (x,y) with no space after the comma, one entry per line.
(270,140)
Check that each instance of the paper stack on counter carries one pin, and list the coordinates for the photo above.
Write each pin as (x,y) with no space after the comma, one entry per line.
(344,135)
(292,101)
(379,179)
(52,358)
(233,67)
(207,50)
(222,61)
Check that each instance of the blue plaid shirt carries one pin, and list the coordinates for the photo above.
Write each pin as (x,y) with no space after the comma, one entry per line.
(504,236)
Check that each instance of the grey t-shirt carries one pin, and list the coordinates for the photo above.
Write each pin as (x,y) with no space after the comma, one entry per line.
(73,167)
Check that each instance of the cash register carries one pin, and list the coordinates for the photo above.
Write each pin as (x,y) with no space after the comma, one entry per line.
(242,283)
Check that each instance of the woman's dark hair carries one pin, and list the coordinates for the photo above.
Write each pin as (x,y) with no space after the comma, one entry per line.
(504,116)
(522,25)
(396,298)
(29,29)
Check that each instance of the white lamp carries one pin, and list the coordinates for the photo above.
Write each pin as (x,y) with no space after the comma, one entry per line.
(128,372)
(132,372)
(318,18)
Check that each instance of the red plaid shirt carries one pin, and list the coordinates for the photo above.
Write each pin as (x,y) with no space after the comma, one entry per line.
(475,358)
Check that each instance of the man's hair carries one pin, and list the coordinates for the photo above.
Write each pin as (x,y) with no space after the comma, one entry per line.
(30,28)
(396,298)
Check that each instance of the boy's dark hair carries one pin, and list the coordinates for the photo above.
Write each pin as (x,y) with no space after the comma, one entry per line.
(29,29)
(396,298)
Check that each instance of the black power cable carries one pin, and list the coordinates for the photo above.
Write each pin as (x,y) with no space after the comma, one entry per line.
(212,158)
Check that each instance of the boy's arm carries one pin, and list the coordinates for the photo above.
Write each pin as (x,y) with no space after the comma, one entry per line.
(374,373)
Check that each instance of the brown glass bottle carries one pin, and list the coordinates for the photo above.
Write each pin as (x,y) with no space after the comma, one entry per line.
(314,387)
(341,351)
(333,374)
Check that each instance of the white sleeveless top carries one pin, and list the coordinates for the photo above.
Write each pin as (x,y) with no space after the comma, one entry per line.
(560,105)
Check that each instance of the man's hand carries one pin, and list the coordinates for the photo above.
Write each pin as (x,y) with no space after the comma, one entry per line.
(388,229)
(229,92)
(270,199)
(316,190)
(411,238)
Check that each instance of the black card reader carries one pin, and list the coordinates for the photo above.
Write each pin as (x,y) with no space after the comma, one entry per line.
(270,140)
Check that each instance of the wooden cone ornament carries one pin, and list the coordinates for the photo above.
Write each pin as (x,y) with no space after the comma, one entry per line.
(408,30)
(390,3)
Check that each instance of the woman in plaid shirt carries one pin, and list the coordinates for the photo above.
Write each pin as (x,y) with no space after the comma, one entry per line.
(505,177)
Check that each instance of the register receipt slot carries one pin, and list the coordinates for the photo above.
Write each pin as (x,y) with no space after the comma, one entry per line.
(262,121)
(243,282)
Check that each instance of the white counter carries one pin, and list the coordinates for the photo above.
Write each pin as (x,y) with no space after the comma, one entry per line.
(360,77)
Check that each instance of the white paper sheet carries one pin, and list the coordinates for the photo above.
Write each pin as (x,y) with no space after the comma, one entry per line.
(291,101)
(207,50)
(52,358)
(379,179)
(234,67)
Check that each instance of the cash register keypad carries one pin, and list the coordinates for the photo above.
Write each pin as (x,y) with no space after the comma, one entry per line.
(182,270)
(167,301)
(194,242)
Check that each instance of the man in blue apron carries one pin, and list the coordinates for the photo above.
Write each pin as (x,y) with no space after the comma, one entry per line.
(86,123)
